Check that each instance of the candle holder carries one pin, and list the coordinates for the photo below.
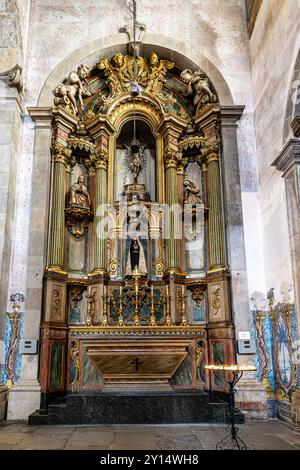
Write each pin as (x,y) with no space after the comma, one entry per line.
(168,319)
(237,373)
(152,309)
(105,298)
(121,316)
(183,297)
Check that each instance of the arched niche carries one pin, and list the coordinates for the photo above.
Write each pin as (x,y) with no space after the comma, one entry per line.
(124,140)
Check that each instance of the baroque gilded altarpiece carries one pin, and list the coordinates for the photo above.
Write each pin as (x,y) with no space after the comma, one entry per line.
(103,329)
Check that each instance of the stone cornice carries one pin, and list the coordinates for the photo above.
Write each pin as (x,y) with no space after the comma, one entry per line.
(230,115)
(42,116)
(13,78)
(289,156)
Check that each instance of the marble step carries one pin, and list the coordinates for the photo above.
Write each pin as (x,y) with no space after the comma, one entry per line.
(135,408)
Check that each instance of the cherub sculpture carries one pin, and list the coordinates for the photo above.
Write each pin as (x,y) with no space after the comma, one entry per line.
(158,71)
(73,88)
(198,85)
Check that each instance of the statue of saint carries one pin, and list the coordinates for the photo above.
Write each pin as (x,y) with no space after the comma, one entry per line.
(136,258)
(79,195)
(192,193)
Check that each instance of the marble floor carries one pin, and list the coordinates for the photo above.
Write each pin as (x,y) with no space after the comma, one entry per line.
(258,435)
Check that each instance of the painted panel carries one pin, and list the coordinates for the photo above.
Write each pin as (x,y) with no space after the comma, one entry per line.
(56,365)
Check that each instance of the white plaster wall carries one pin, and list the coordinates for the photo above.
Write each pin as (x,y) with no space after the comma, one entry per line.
(273,49)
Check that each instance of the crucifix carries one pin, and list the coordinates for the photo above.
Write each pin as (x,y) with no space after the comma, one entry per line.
(137,363)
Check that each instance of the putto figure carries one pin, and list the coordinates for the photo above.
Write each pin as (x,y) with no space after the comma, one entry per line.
(74,88)
(198,85)
(79,195)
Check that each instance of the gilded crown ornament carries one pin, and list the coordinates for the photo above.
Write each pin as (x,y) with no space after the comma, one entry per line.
(120,75)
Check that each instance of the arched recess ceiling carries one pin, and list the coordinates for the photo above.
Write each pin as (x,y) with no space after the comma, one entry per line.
(165,47)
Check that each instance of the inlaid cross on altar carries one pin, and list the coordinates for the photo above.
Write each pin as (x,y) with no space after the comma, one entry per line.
(137,363)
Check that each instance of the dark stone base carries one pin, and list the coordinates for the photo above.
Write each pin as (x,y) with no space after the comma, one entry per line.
(135,408)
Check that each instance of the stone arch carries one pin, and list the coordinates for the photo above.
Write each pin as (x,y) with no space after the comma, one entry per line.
(293,99)
(166,47)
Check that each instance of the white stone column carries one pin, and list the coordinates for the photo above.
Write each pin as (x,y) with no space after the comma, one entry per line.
(11,113)
(24,397)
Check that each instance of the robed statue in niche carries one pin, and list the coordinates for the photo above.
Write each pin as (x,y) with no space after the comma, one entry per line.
(135,160)
(191,193)
(79,195)
(136,262)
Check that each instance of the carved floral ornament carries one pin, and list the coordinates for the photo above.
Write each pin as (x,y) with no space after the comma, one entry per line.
(81,94)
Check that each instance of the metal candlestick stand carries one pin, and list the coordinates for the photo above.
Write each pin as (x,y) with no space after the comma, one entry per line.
(237,373)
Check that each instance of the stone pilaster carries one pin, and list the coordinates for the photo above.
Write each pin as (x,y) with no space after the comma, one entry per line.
(11,124)
(288,162)
(236,253)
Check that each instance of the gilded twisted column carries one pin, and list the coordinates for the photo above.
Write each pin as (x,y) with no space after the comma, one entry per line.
(100,242)
(215,220)
(171,198)
(61,158)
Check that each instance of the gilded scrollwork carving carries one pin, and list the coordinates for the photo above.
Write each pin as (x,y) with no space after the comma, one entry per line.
(81,144)
(76,294)
(211,151)
(172,159)
(57,303)
(74,353)
(160,262)
(62,154)
(197,291)
(91,307)
(149,76)
(73,89)
(216,299)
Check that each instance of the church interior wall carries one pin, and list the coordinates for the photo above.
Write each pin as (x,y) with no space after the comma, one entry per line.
(57,35)
(274,46)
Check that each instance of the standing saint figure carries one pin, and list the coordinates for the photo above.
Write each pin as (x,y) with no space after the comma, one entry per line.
(136,258)
(79,195)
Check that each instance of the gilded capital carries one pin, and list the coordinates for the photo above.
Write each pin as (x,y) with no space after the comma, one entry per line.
(211,152)
(172,159)
(100,159)
(62,154)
